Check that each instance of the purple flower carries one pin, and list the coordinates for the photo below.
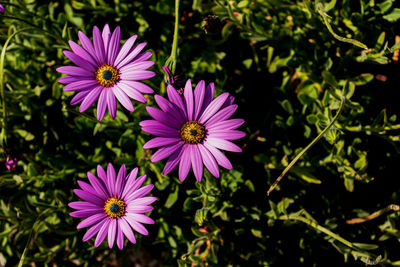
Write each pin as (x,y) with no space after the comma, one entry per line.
(192,131)
(1,9)
(106,71)
(113,205)
(11,163)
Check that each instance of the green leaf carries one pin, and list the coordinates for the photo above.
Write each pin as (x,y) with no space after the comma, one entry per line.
(393,16)
(26,135)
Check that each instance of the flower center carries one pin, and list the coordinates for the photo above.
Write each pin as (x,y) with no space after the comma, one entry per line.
(114,207)
(192,132)
(107,75)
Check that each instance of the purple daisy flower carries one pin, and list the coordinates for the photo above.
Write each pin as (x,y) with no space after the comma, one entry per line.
(192,131)
(106,71)
(113,205)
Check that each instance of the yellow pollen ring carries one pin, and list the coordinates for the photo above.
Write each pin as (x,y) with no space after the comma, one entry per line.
(111,205)
(192,132)
(107,75)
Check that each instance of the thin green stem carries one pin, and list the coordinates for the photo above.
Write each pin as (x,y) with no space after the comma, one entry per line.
(3,136)
(320,228)
(171,61)
(320,9)
(33,230)
(308,147)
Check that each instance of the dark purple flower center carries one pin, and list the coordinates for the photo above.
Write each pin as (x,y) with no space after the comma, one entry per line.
(114,208)
(193,132)
(107,75)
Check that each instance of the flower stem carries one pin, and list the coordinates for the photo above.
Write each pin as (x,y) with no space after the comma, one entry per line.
(171,61)
(3,136)
(321,11)
(308,147)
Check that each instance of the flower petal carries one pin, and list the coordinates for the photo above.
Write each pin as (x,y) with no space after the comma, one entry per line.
(98,45)
(135,75)
(126,229)
(89,197)
(92,231)
(120,236)
(98,185)
(184,165)
(102,233)
(90,98)
(139,193)
(139,209)
(75,71)
(131,92)
(188,97)
(122,98)
(79,97)
(160,141)
(91,220)
(86,213)
(81,85)
(141,87)
(102,105)
(199,93)
(208,97)
(81,205)
(226,134)
(173,161)
(132,54)
(113,46)
(106,34)
(142,201)
(223,144)
(125,49)
(111,179)
(213,107)
(112,231)
(78,60)
(209,160)
(226,125)
(221,115)
(78,50)
(175,98)
(138,227)
(120,181)
(197,162)
(111,103)
(166,151)
(164,117)
(132,184)
(87,45)
(159,129)
(221,159)
(171,109)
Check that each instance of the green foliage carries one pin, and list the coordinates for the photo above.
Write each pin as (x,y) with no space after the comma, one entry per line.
(288,64)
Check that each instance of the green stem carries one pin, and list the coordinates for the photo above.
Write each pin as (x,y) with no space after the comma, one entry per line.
(307,148)
(321,11)
(171,61)
(320,228)
(3,139)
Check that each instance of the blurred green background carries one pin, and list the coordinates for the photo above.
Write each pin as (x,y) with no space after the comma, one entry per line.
(287,65)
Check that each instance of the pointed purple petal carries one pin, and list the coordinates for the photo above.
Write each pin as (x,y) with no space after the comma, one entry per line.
(112,231)
(98,185)
(173,161)
(81,85)
(92,231)
(113,46)
(166,151)
(86,213)
(134,75)
(221,115)
(81,205)
(223,144)
(91,220)
(139,193)
(221,159)
(120,181)
(188,97)
(209,160)
(126,229)
(78,98)
(208,97)
(122,98)
(141,87)
(160,141)
(213,107)
(143,201)
(78,50)
(120,237)
(125,49)
(199,93)
(87,45)
(102,233)
(138,227)
(164,117)
(89,197)
(81,62)
(132,54)
(98,45)
(226,125)
(90,98)
(111,103)
(102,105)
(75,71)
(106,34)
(159,129)
(184,165)
(131,92)
(226,134)
(175,98)
(197,162)
(131,183)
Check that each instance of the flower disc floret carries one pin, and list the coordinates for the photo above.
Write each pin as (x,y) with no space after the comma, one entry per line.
(192,132)
(114,207)
(107,75)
